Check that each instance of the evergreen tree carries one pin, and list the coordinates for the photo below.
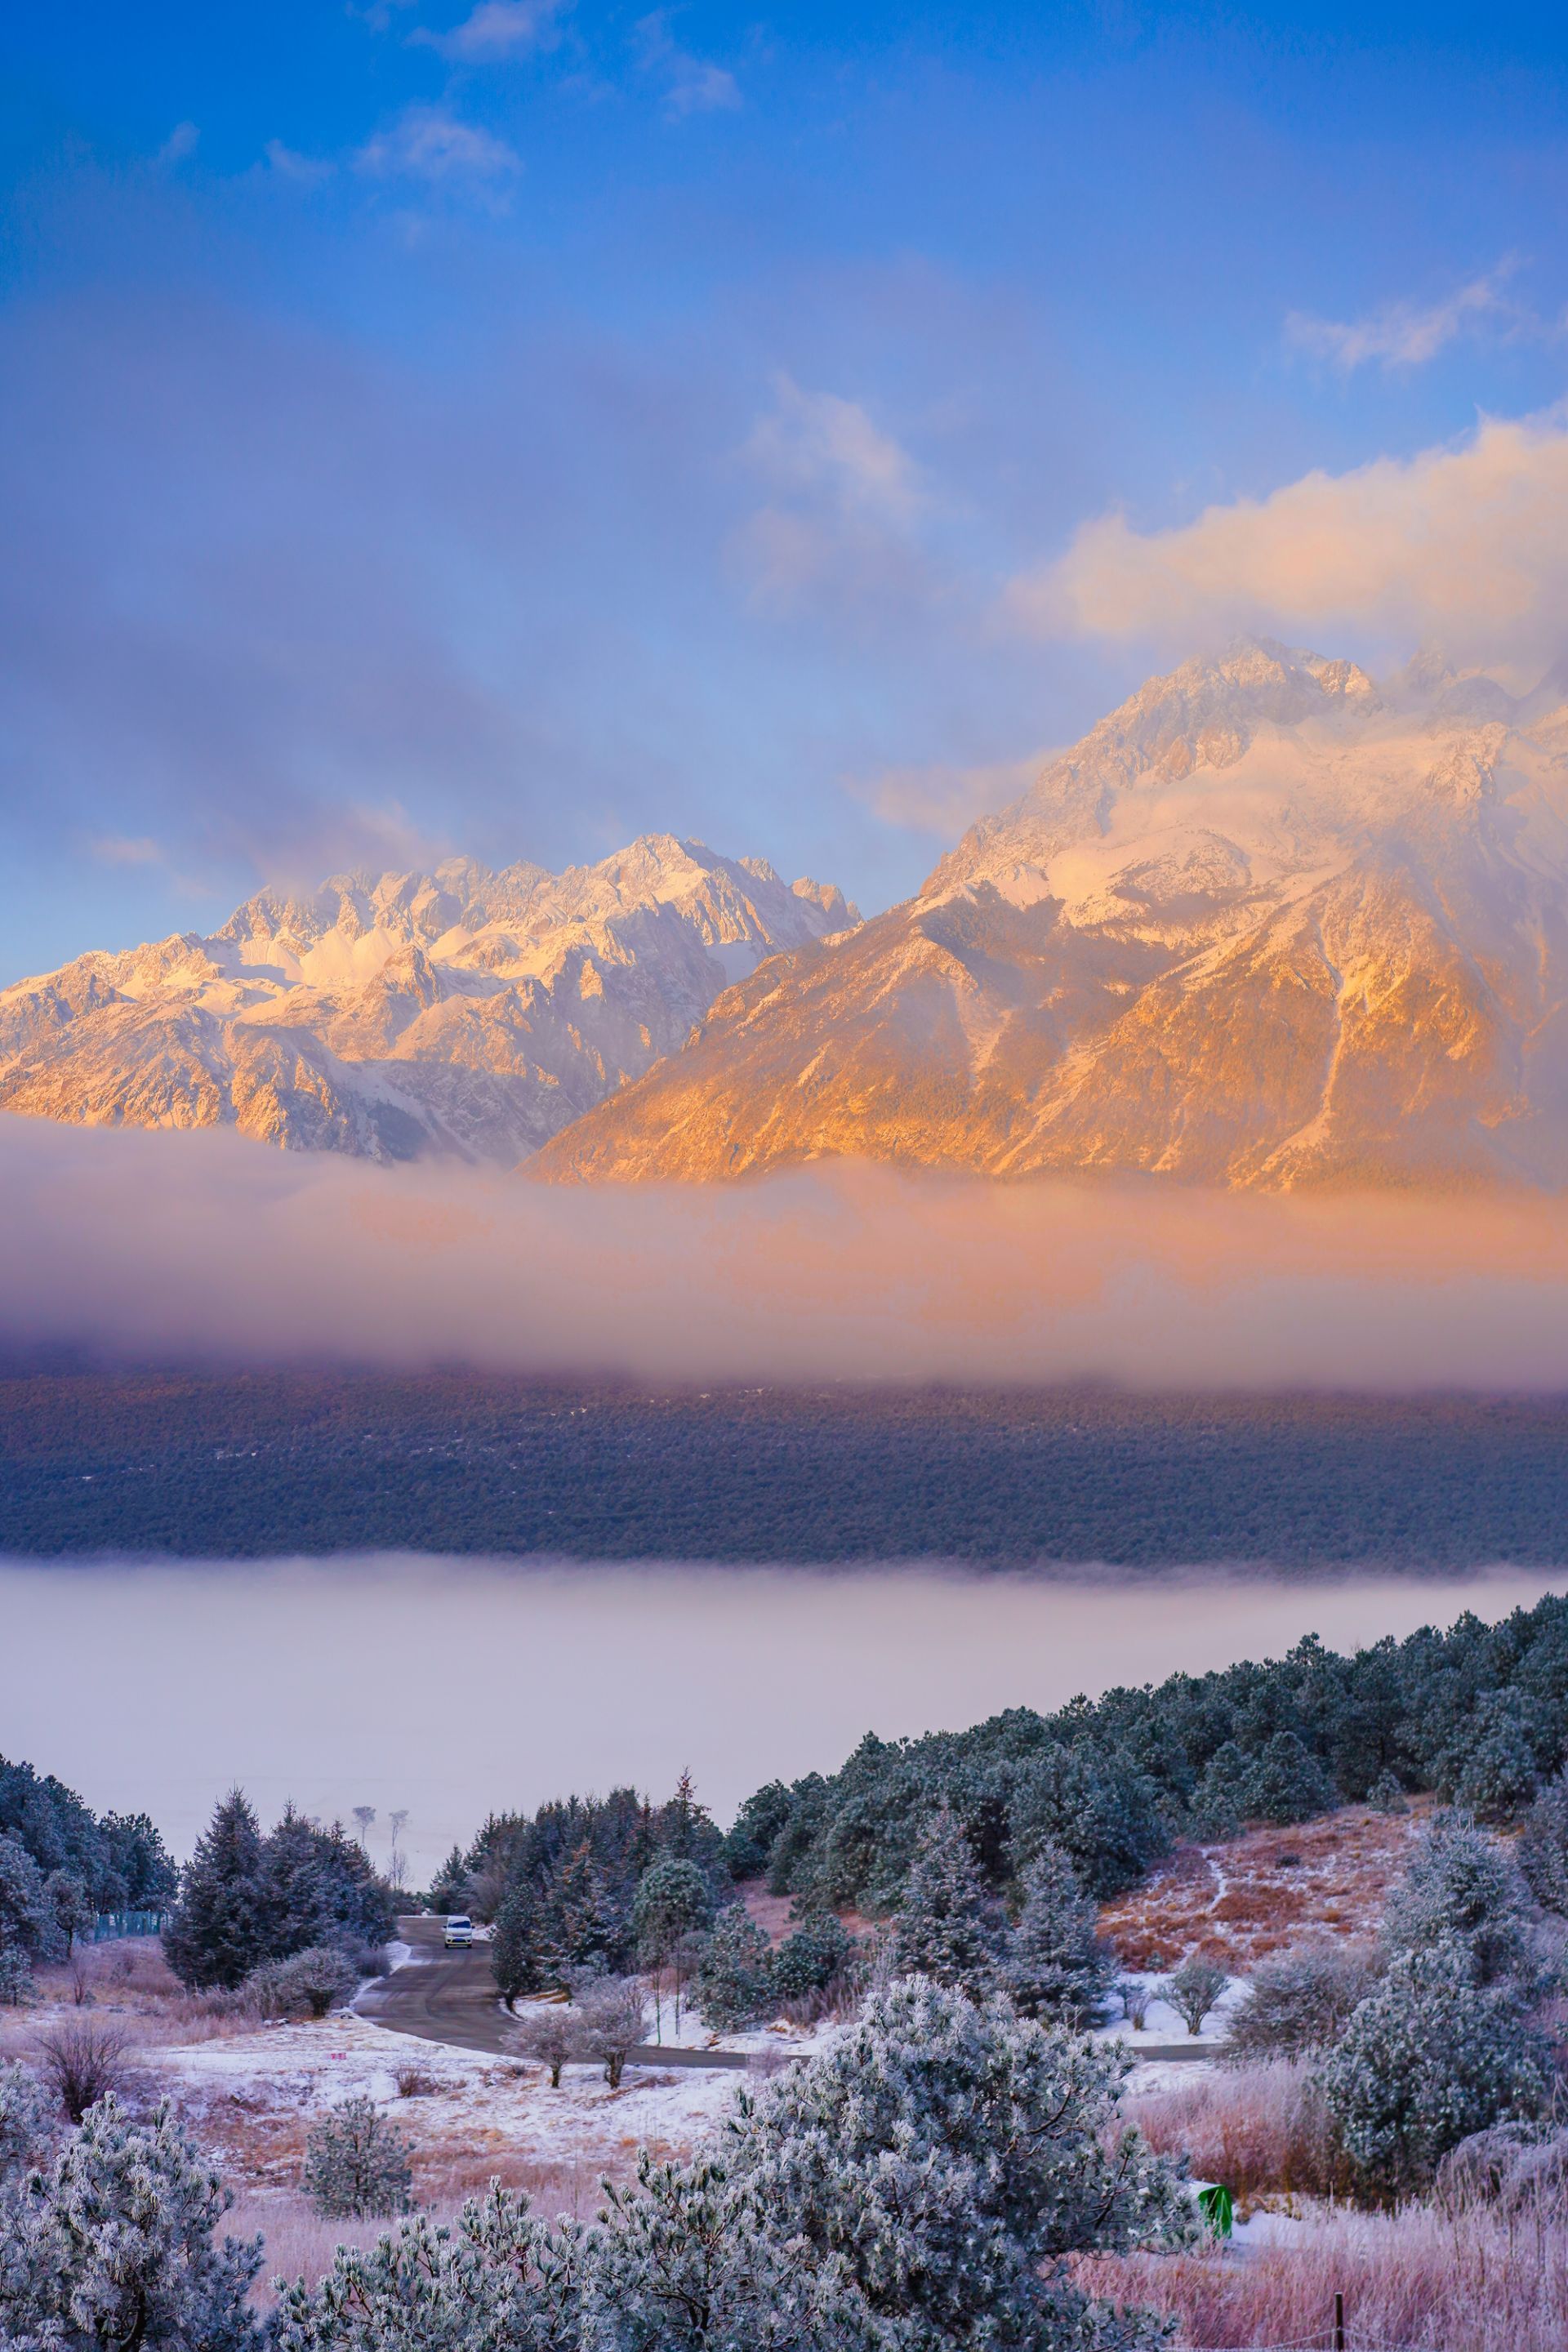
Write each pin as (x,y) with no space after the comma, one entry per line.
(820,1950)
(1054,1964)
(946,2156)
(221,1929)
(1427,2059)
(16,1976)
(516,1960)
(494,2281)
(449,1888)
(1543,1846)
(1496,1776)
(946,1927)
(1285,1782)
(356,2164)
(28,1924)
(111,2248)
(1461,1891)
(1386,1795)
(582,1930)
(734,1983)
(317,1887)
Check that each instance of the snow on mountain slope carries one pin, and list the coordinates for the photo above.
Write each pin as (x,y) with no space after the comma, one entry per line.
(459,1011)
(1268,924)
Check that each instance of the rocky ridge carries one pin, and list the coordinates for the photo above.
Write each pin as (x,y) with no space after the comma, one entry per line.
(459,1011)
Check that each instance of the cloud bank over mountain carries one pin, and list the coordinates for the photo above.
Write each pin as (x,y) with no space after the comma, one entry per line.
(156,1247)
(1462,543)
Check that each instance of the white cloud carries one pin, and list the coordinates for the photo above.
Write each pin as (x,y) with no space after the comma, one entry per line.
(847,497)
(1466,544)
(1400,334)
(116,849)
(944,800)
(305,171)
(496,29)
(692,85)
(428,143)
(180,142)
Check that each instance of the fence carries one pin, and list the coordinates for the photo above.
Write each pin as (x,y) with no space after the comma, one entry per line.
(108,1925)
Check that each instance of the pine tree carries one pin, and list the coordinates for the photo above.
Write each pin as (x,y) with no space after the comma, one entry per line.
(1461,1891)
(27,1920)
(516,1962)
(220,1930)
(356,2164)
(1386,1795)
(1054,1964)
(946,1927)
(734,1983)
(1543,1846)
(945,2155)
(1496,1776)
(582,1932)
(1427,2059)
(449,1888)
(16,1976)
(820,1950)
(113,2245)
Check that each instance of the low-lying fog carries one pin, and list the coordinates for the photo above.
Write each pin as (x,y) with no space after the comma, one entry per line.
(453,1688)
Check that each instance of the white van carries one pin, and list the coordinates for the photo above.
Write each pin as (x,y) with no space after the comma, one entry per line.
(459,1932)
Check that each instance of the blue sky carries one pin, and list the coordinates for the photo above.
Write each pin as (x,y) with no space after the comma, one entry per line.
(507,428)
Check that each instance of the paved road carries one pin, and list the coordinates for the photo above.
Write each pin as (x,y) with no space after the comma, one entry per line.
(451,1997)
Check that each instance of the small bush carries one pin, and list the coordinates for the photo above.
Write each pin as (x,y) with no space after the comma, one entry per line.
(308,1984)
(545,2037)
(82,2063)
(356,2165)
(1300,2001)
(612,2022)
(1135,1997)
(1193,1990)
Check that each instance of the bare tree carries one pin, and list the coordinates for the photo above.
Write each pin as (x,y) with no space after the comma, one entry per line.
(364,1815)
(83,2061)
(396,1865)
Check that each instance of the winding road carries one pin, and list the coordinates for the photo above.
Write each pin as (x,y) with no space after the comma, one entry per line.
(450,1997)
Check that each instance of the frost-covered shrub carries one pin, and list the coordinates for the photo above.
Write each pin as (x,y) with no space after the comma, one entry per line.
(611,2020)
(1135,1996)
(27,2118)
(356,2164)
(1300,2001)
(1055,1965)
(1387,1794)
(947,1927)
(949,2154)
(734,1983)
(309,1983)
(113,2246)
(546,2037)
(1193,1990)
(1515,2165)
(1461,1891)
(1428,2058)
(494,2281)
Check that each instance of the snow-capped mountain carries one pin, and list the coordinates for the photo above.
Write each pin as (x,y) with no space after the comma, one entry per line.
(461,1011)
(1269,924)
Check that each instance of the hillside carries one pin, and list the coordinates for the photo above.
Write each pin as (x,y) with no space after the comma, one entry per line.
(1269,924)
(460,1012)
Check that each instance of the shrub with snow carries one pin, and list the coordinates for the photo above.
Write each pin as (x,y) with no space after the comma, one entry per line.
(1300,2002)
(356,2164)
(28,2118)
(1193,1990)
(1428,2058)
(1463,1894)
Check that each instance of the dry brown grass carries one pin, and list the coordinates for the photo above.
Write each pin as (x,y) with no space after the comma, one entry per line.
(1464,2283)
(129,1981)
(1241,1901)
(1263,2130)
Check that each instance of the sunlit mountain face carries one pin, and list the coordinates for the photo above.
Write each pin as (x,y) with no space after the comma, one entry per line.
(1269,924)
(460,1012)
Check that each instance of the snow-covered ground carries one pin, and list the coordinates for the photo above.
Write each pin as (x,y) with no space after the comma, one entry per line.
(1164,2026)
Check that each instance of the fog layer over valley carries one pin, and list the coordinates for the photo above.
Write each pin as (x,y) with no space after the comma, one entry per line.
(435,1685)
(162,1247)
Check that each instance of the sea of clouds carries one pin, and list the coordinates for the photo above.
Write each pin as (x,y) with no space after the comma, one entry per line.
(203,1247)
